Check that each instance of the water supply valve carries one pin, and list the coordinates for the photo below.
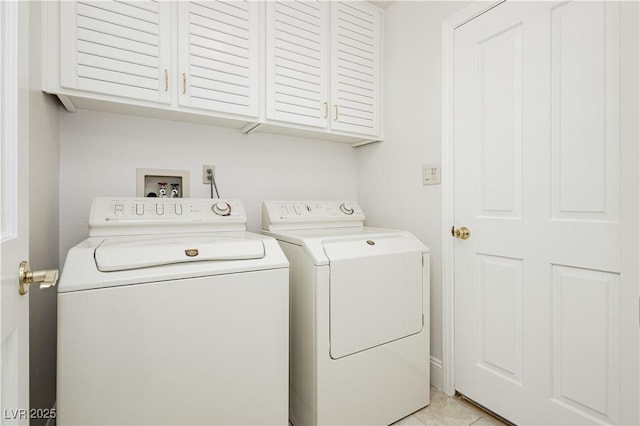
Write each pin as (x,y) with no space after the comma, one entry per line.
(162,192)
(175,193)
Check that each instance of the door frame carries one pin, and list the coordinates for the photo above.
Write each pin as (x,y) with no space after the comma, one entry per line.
(449,26)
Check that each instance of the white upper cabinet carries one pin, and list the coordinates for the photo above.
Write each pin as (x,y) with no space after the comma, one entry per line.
(303,67)
(116,48)
(323,65)
(297,62)
(219,56)
(355,67)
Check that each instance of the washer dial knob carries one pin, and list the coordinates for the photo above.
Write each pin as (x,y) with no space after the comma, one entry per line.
(346,210)
(221,208)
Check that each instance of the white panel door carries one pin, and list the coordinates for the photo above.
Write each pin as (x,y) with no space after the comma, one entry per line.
(297,62)
(355,67)
(219,54)
(546,294)
(14,211)
(119,48)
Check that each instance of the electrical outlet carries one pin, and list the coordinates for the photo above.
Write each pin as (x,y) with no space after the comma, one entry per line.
(431,174)
(205,174)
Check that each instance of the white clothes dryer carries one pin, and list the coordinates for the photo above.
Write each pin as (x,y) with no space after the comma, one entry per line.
(171,313)
(359,301)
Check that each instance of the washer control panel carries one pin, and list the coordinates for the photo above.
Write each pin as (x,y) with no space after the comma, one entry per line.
(310,214)
(124,215)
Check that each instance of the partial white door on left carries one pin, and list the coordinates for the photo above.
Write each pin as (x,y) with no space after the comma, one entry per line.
(14,213)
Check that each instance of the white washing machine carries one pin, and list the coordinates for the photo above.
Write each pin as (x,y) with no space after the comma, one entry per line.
(170,313)
(359,335)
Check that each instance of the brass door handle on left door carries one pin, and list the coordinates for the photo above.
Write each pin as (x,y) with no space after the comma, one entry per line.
(463,232)
(47,277)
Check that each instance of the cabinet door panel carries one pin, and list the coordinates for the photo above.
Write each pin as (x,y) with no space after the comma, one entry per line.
(116,48)
(114,11)
(297,95)
(303,50)
(200,67)
(305,15)
(355,60)
(302,102)
(117,77)
(218,86)
(222,60)
(306,89)
(125,73)
(357,110)
(128,56)
(94,40)
(289,59)
(350,116)
(219,56)
(209,17)
(232,42)
(297,62)
(204,96)
(213,46)
(117,30)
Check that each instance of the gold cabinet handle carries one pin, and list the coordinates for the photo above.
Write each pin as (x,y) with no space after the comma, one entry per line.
(46,278)
(463,232)
(184,83)
(335,118)
(326,109)
(166,80)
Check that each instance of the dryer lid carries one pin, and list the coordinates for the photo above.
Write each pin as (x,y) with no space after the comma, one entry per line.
(125,254)
(376,291)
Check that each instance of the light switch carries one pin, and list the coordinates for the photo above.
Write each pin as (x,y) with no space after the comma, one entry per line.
(431,174)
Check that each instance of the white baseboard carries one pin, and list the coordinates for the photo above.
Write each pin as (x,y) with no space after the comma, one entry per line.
(436,371)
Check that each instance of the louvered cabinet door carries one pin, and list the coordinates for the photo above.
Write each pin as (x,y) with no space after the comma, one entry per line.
(355,67)
(219,55)
(116,48)
(297,62)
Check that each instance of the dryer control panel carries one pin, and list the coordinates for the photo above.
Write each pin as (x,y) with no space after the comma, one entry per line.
(131,216)
(280,215)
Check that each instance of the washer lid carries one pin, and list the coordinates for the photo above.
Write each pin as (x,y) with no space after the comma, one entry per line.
(124,254)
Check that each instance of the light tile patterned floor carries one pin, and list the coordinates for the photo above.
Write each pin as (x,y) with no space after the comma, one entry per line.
(447,411)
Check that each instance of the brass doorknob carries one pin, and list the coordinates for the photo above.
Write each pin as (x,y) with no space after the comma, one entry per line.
(463,232)
(47,278)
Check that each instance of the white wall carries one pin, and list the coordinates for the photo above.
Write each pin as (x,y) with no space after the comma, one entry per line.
(43,225)
(99,154)
(390,186)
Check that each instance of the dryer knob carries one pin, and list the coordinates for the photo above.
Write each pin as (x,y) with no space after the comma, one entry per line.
(221,208)
(346,210)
